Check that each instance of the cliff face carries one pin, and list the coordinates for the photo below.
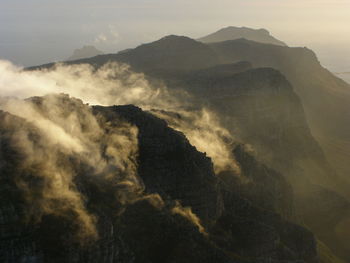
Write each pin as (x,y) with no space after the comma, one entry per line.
(325,97)
(260,107)
(169,165)
(133,217)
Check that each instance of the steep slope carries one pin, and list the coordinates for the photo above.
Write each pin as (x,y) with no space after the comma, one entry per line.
(270,116)
(260,107)
(325,98)
(232,33)
(189,168)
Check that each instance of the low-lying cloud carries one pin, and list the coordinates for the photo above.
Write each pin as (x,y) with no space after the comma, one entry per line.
(57,139)
(115,84)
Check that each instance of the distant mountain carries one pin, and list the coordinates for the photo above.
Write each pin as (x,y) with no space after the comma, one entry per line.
(169,53)
(85,52)
(232,33)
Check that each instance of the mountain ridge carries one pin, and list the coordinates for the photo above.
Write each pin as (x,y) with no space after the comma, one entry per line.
(275,115)
(232,33)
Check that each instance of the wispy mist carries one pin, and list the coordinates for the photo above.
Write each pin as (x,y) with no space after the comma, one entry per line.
(115,84)
(59,138)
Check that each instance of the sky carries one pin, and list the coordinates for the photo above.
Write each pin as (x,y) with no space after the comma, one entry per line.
(33,32)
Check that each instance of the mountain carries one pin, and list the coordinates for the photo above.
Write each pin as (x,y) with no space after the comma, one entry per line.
(62,204)
(85,52)
(232,33)
(198,68)
(168,54)
(325,97)
(277,99)
(260,107)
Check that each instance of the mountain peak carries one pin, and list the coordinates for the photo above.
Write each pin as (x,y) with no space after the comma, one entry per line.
(171,52)
(176,40)
(230,33)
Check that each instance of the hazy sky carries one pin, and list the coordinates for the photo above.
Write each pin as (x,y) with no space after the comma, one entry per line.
(38,31)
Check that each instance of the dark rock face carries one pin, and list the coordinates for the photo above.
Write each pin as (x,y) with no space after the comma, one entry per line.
(260,107)
(328,217)
(262,233)
(324,97)
(151,228)
(266,188)
(169,165)
(157,236)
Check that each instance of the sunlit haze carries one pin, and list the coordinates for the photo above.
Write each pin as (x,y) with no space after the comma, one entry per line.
(182,131)
(37,31)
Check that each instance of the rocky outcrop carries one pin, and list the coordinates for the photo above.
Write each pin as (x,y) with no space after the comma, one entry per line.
(153,225)
(235,212)
(265,188)
(169,165)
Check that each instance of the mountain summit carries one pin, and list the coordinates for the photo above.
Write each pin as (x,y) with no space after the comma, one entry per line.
(231,33)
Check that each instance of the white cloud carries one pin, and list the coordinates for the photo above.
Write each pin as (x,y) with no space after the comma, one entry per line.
(111,36)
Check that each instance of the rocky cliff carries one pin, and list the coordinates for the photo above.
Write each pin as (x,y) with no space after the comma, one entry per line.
(173,208)
(324,96)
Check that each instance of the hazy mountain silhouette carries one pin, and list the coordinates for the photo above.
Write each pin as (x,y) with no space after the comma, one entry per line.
(232,33)
(168,54)
(85,52)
